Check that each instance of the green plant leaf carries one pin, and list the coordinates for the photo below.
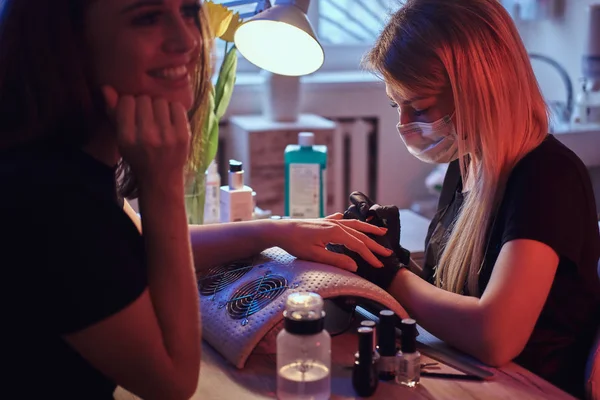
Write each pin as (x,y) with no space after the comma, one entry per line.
(212,133)
(225,83)
(201,143)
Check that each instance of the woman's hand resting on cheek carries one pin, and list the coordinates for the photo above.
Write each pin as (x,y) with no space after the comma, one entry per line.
(306,239)
(153,136)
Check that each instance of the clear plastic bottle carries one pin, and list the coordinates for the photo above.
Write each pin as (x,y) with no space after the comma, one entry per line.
(212,206)
(303,350)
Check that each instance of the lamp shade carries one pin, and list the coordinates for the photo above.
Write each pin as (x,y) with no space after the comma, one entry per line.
(280,40)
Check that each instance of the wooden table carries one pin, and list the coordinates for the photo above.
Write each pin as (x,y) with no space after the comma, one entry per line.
(220,380)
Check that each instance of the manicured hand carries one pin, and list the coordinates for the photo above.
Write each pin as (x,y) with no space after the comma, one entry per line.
(306,239)
(153,135)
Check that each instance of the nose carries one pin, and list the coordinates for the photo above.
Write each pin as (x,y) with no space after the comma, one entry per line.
(181,37)
(404,116)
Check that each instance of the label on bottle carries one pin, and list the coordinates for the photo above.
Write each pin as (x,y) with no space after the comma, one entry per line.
(409,369)
(305,190)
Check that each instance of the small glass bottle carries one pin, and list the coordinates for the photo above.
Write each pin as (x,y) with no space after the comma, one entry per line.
(387,345)
(409,359)
(304,350)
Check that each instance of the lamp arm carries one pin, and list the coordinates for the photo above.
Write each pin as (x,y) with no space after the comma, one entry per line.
(261,5)
(301,4)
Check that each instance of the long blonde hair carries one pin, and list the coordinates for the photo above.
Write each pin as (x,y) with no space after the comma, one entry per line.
(473,48)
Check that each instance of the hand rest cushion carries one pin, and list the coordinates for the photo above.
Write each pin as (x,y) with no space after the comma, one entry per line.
(243,302)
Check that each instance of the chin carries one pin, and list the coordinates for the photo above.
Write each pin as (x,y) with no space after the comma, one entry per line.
(186,99)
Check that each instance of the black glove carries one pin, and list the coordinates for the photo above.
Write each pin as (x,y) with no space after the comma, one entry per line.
(365,210)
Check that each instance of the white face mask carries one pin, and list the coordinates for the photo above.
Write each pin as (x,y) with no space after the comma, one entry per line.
(433,143)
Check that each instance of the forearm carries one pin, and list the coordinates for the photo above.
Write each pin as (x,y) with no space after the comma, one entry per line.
(458,320)
(171,279)
(221,243)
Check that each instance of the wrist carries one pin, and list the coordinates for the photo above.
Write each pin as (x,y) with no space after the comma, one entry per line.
(400,278)
(272,233)
(172,191)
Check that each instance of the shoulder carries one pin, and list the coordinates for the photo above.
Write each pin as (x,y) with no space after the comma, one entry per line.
(549,198)
(550,162)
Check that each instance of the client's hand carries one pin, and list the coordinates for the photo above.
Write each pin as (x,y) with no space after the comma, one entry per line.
(307,239)
(364,209)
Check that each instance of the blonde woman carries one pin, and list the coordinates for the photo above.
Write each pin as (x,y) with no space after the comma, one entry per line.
(511,254)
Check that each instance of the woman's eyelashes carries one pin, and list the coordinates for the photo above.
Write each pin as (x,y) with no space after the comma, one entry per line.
(418,113)
(148,18)
(414,111)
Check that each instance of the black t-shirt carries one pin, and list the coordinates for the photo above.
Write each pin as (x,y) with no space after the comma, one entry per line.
(70,258)
(548,198)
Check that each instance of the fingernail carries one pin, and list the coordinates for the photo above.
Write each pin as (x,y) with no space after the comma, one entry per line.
(380,264)
(353,267)
(384,229)
(390,251)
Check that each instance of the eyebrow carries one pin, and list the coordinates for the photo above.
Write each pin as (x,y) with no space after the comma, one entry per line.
(140,4)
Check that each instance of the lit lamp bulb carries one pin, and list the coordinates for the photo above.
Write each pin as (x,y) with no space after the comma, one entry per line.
(281,40)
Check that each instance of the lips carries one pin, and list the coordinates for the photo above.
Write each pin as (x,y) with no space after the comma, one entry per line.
(170,73)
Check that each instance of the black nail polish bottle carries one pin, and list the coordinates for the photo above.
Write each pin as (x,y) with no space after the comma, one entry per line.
(364,374)
(387,345)
(371,324)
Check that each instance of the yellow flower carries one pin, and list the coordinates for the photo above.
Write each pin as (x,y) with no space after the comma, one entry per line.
(219,17)
(235,23)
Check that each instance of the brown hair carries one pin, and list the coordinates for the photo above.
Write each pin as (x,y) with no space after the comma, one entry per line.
(473,48)
(46,87)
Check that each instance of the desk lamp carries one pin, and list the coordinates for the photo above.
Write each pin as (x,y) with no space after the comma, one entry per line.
(280,40)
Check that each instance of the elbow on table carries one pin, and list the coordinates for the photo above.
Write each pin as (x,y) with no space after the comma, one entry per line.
(183,390)
(497,351)
(495,358)
(180,386)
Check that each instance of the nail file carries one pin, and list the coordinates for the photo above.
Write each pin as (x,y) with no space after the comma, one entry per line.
(463,366)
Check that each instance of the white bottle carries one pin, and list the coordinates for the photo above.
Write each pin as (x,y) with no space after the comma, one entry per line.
(212,205)
(582,105)
(236,198)
(303,350)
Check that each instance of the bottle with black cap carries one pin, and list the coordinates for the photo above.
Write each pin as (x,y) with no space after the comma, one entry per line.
(367,323)
(409,359)
(303,350)
(236,198)
(364,373)
(387,345)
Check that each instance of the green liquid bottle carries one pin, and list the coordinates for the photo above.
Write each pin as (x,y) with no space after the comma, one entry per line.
(305,178)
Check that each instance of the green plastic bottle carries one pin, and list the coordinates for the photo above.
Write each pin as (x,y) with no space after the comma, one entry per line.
(305,178)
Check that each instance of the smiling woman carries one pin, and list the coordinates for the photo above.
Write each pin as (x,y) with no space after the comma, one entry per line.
(86,86)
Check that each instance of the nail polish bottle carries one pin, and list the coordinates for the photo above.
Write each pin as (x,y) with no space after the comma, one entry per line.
(364,373)
(409,359)
(387,345)
(371,324)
